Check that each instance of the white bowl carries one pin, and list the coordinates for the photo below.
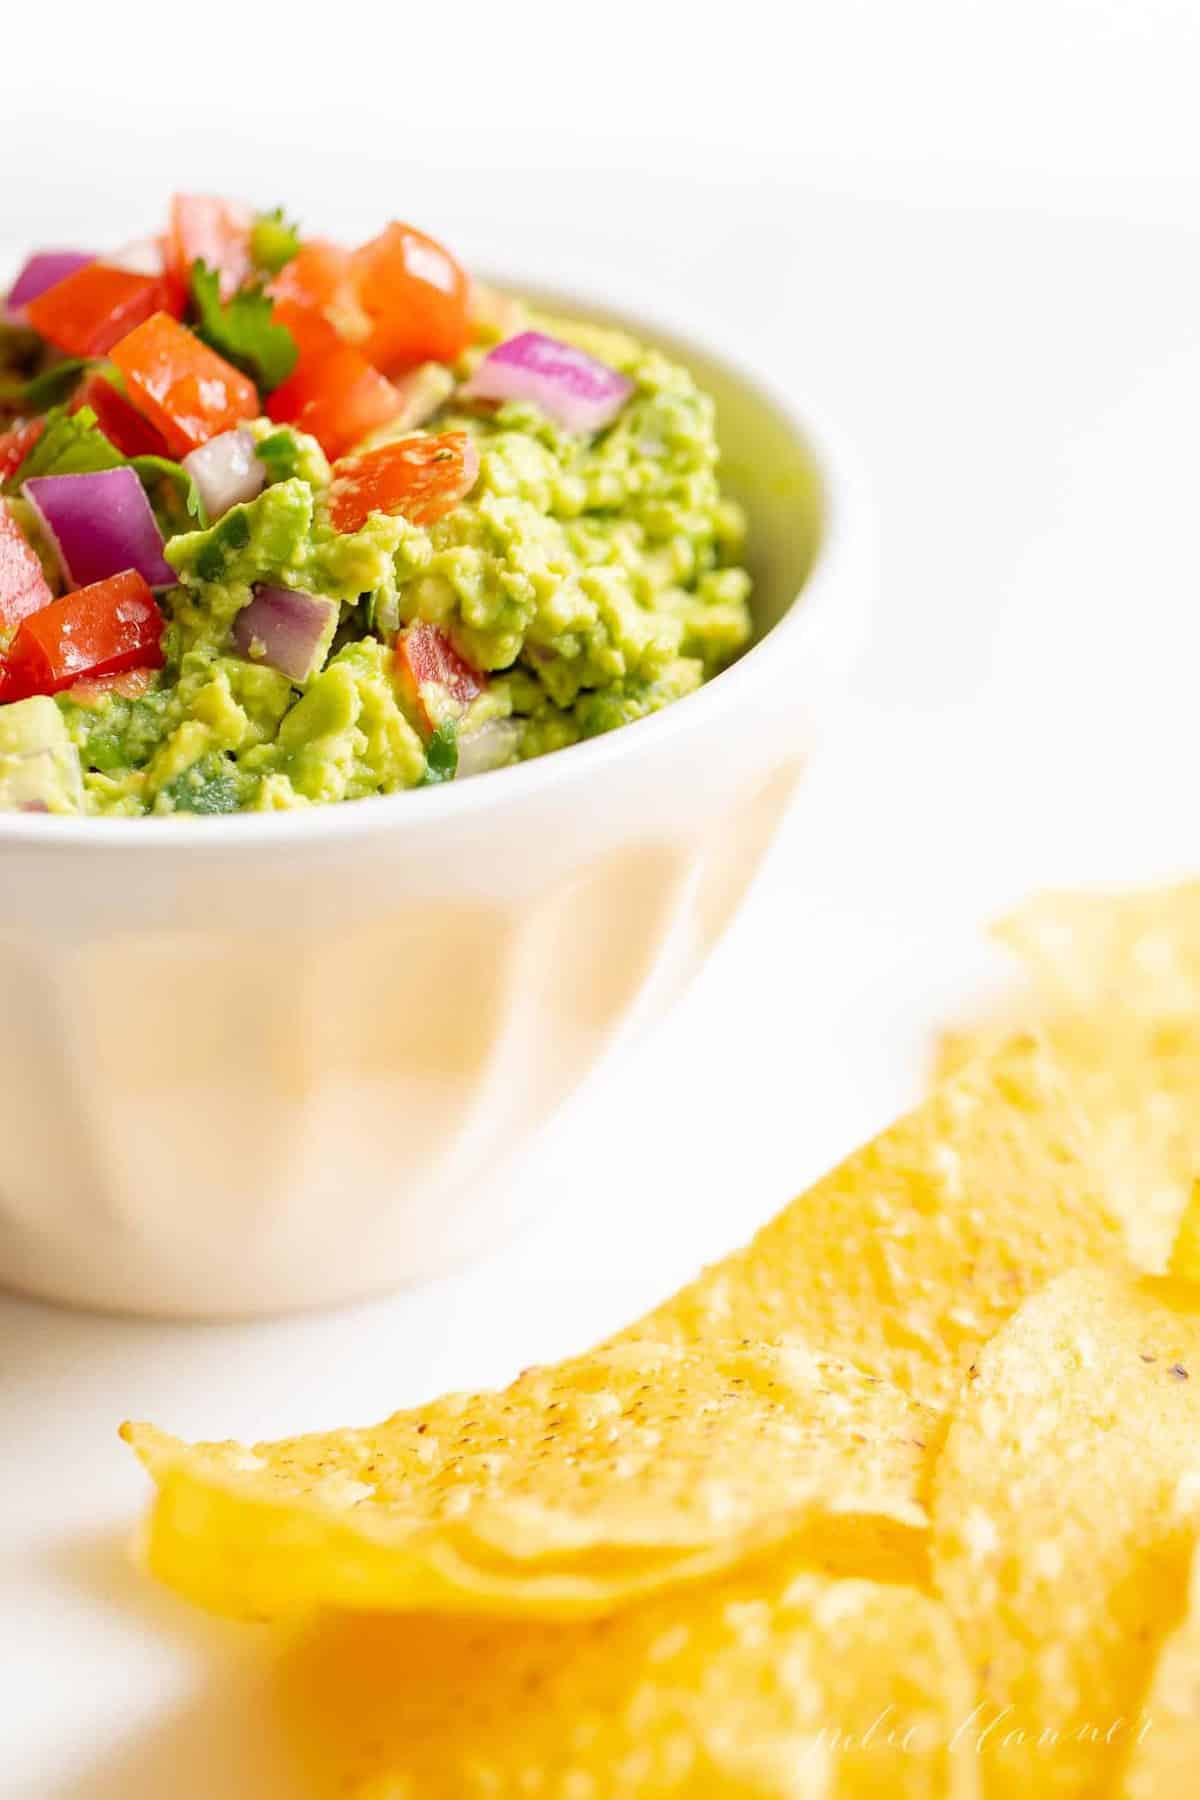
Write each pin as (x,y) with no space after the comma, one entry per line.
(272,1061)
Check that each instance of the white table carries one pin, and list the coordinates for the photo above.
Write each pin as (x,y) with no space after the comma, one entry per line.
(1024,386)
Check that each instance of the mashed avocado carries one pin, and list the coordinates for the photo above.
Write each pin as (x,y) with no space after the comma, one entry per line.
(586,579)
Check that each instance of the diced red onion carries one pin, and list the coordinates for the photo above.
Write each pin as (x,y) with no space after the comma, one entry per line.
(29,780)
(44,270)
(576,390)
(226,471)
(288,629)
(101,524)
(491,747)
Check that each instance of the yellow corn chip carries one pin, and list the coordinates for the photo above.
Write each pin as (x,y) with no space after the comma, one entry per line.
(907,1257)
(1138,950)
(1165,1762)
(1140,1089)
(1064,1513)
(771,1683)
(708,1429)
(1185,1252)
(572,1491)
(1115,996)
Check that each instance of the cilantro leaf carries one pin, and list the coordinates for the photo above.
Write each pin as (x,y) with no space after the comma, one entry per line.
(73,444)
(37,393)
(274,240)
(243,331)
(441,754)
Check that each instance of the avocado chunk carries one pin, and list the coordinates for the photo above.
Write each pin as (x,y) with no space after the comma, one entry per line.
(39,765)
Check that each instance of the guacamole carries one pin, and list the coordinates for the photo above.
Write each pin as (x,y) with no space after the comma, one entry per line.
(399,556)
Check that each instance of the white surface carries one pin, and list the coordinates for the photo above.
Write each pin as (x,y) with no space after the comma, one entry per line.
(971,233)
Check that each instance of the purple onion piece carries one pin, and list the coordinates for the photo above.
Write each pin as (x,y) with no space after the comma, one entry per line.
(576,390)
(226,471)
(101,524)
(289,630)
(44,270)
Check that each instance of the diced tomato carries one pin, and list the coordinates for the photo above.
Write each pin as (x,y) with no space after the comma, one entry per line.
(337,396)
(121,423)
(179,291)
(90,311)
(184,388)
(319,276)
(422,477)
(93,690)
(315,275)
(434,677)
(216,232)
(97,630)
(16,444)
(23,586)
(310,328)
(417,298)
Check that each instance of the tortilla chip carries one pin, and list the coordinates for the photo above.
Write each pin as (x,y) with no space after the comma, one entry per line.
(709,1427)
(1166,1753)
(1185,1252)
(773,1682)
(1140,1088)
(703,1432)
(1115,995)
(1138,949)
(1064,1515)
(910,1255)
(573,1491)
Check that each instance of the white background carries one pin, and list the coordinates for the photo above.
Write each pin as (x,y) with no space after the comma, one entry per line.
(971,232)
